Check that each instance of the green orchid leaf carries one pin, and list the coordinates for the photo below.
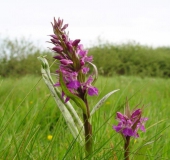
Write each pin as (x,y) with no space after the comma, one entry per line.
(79,102)
(100,103)
(45,70)
(70,115)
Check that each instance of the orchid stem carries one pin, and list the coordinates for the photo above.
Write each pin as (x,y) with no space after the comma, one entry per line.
(88,135)
(126,148)
(88,131)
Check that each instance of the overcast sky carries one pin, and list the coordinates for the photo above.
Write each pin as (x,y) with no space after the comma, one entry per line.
(115,21)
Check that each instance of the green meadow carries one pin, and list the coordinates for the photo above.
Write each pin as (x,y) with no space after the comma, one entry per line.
(32,128)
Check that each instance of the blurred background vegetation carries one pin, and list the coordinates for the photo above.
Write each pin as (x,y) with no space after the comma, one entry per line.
(19,58)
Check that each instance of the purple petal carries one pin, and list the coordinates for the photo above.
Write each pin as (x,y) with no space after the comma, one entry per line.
(69,46)
(74,85)
(82,53)
(136,113)
(58,57)
(85,70)
(89,80)
(117,128)
(129,123)
(88,59)
(57,49)
(67,99)
(64,27)
(82,62)
(142,128)
(120,116)
(80,47)
(73,75)
(55,41)
(58,23)
(66,61)
(62,94)
(65,38)
(128,132)
(57,84)
(92,91)
(76,42)
(120,124)
(143,120)
(54,36)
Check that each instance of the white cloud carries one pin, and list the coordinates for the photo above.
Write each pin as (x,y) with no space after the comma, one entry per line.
(144,21)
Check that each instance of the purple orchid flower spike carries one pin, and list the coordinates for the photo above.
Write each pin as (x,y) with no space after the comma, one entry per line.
(73,73)
(73,59)
(130,123)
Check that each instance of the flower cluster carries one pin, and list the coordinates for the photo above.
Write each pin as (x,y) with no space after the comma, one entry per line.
(129,124)
(73,62)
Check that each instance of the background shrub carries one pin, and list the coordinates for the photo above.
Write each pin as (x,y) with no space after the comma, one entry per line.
(132,59)
(19,58)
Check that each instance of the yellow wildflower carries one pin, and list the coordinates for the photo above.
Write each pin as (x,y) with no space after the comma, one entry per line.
(107,103)
(135,141)
(49,137)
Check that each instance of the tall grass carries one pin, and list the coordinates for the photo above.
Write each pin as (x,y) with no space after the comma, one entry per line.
(28,115)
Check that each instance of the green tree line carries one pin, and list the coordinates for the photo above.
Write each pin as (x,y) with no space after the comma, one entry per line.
(132,59)
(19,58)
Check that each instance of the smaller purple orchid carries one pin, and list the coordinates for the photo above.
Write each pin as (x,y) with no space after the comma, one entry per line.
(130,123)
(128,126)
